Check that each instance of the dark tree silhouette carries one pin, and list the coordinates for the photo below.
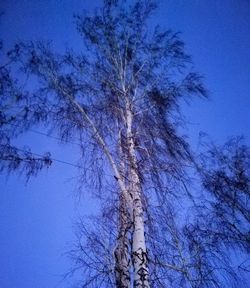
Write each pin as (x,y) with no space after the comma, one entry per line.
(13,110)
(225,173)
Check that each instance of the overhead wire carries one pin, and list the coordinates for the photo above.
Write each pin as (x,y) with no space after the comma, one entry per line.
(59,161)
(54,159)
(47,135)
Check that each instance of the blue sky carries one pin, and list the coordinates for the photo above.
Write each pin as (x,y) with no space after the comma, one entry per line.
(37,219)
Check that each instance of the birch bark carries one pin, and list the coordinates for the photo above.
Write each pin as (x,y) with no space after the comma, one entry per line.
(139,251)
(122,250)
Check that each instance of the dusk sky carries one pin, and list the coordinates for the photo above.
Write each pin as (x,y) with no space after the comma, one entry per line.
(37,219)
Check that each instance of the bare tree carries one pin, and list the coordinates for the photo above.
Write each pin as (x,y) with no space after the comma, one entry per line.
(13,109)
(121,96)
(225,175)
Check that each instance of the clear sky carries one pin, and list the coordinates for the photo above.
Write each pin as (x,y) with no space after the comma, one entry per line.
(36,220)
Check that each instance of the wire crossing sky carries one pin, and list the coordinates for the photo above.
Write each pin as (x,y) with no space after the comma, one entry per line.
(36,220)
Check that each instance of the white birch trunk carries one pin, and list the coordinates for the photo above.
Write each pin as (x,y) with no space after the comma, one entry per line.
(122,250)
(139,251)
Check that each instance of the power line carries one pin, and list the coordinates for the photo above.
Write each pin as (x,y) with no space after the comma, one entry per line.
(52,159)
(61,161)
(47,135)
(53,137)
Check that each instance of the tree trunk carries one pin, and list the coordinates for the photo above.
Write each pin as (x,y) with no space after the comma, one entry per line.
(139,251)
(139,256)
(122,251)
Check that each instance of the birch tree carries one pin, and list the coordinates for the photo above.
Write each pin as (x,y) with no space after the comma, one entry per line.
(120,96)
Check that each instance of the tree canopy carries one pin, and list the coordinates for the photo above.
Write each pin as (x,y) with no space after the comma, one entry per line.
(121,97)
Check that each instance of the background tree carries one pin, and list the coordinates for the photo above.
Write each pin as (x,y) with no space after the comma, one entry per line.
(13,109)
(226,176)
